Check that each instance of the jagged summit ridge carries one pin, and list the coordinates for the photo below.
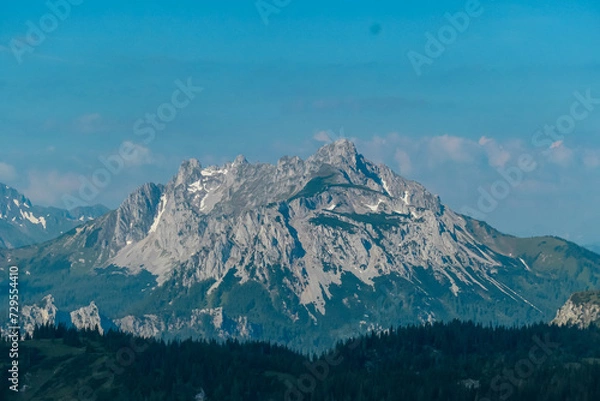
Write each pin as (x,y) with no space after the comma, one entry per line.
(189,171)
(246,218)
(338,153)
(278,251)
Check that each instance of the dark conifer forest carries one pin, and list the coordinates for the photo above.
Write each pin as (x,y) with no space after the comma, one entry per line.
(453,361)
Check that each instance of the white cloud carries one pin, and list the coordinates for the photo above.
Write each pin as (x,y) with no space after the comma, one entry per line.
(88,123)
(446,148)
(329,136)
(404,162)
(140,155)
(48,187)
(591,158)
(484,140)
(322,136)
(431,153)
(496,154)
(560,154)
(7,172)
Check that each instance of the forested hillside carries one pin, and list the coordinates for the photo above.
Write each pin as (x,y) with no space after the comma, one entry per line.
(454,361)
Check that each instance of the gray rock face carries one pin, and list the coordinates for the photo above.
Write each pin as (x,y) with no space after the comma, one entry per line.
(212,321)
(87,317)
(22,223)
(46,312)
(146,326)
(303,252)
(581,310)
(34,315)
(208,222)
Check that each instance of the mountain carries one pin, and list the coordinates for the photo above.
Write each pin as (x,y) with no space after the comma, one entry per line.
(22,223)
(581,310)
(303,252)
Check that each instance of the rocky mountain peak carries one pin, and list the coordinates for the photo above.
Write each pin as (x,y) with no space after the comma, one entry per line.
(240,160)
(339,153)
(8,195)
(189,171)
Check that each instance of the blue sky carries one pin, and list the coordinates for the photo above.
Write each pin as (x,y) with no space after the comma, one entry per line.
(315,72)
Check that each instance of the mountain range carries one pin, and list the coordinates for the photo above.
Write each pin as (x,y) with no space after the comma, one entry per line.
(22,223)
(301,252)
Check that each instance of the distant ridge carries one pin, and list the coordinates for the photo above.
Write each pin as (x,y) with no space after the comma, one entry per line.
(22,223)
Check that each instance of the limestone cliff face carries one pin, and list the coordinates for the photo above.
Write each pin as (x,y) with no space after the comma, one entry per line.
(87,317)
(301,251)
(38,315)
(581,310)
(46,312)
(335,209)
